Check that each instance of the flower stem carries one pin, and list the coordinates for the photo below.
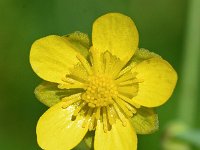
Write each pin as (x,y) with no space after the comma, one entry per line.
(189,75)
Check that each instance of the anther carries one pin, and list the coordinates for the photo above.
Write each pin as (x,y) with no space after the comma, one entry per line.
(99,91)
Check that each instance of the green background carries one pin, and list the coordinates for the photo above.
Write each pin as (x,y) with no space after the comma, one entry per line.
(162,28)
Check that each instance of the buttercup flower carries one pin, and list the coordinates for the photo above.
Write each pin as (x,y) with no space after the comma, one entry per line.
(102,91)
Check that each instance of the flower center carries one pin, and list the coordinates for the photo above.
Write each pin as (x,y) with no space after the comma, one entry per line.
(107,90)
(100,91)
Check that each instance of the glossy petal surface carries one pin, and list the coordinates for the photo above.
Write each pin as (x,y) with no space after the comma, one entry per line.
(118,138)
(159,80)
(116,33)
(51,58)
(56,131)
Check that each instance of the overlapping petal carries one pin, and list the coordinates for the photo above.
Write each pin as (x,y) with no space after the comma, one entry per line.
(118,138)
(56,131)
(51,57)
(158,82)
(116,33)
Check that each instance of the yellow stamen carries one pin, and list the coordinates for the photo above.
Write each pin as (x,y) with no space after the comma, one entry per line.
(74,96)
(69,80)
(77,110)
(136,105)
(127,76)
(128,100)
(98,113)
(85,63)
(116,69)
(71,99)
(78,73)
(125,70)
(92,121)
(97,62)
(128,91)
(113,65)
(123,107)
(99,92)
(111,115)
(85,123)
(120,114)
(129,82)
(105,120)
(72,86)
(131,108)
(108,91)
(107,62)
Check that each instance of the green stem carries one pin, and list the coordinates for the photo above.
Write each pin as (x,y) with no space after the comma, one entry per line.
(189,75)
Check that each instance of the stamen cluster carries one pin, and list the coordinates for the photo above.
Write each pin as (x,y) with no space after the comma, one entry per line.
(100,91)
(107,88)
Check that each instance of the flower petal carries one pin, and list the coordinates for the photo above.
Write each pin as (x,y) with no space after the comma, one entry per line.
(145,121)
(49,94)
(55,130)
(51,57)
(159,80)
(119,137)
(116,33)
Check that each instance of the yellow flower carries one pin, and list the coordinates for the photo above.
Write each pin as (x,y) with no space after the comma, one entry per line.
(108,87)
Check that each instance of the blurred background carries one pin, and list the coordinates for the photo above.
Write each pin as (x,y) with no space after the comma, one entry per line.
(170,28)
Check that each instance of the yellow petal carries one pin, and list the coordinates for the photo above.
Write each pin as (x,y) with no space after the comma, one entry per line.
(56,131)
(159,80)
(51,57)
(118,138)
(116,33)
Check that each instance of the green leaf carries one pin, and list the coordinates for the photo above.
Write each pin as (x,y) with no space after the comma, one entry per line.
(80,42)
(81,146)
(87,143)
(89,139)
(49,94)
(145,121)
